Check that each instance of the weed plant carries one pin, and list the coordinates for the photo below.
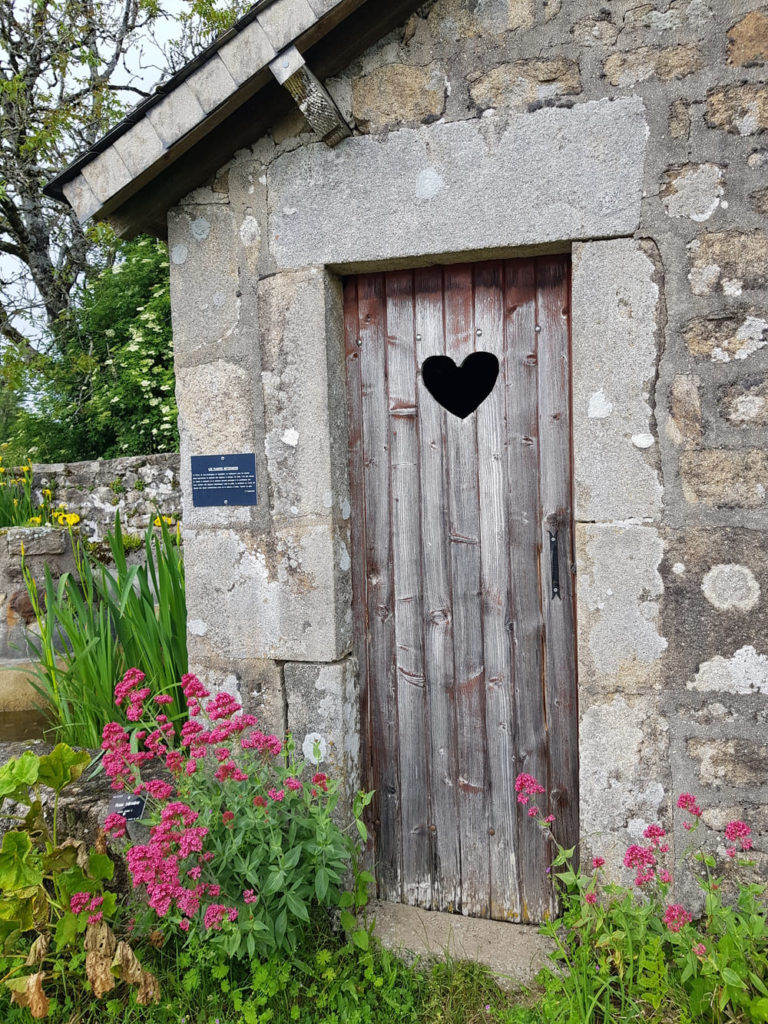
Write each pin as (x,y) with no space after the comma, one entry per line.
(632,954)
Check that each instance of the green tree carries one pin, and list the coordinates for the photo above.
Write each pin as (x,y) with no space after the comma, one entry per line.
(108,390)
(65,78)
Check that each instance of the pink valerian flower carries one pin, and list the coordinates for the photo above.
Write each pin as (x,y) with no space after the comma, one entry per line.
(699,949)
(223,705)
(79,902)
(184,924)
(321,779)
(591,897)
(249,896)
(116,824)
(549,819)
(194,873)
(163,698)
(292,783)
(643,859)
(263,744)
(259,801)
(738,831)
(676,917)
(132,678)
(95,918)
(174,761)
(687,802)
(192,687)
(665,877)
(526,786)
(532,812)
(276,794)
(228,817)
(158,789)
(655,833)
(597,862)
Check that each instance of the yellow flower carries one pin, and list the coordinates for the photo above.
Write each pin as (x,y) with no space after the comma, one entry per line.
(47,494)
(25,469)
(15,501)
(69,519)
(34,520)
(2,469)
(168,520)
(22,549)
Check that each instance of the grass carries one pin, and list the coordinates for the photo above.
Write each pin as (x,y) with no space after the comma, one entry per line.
(327,983)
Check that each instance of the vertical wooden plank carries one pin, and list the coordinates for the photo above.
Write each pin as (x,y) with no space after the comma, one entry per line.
(557,541)
(406,551)
(357,521)
(464,533)
(436,598)
(521,381)
(379,585)
(494,490)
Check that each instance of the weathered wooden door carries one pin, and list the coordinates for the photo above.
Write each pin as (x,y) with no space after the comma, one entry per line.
(463,596)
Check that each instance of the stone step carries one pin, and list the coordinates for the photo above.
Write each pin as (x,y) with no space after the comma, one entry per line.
(513,952)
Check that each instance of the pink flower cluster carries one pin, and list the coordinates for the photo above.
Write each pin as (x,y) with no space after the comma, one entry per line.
(171,864)
(644,859)
(526,787)
(86,901)
(116,825)
(738,832)
(687,802)
(676,917)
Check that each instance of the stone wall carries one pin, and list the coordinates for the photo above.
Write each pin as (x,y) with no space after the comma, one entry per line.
(139,488)
(634,136)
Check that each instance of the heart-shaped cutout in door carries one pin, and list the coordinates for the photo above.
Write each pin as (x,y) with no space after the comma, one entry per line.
(460,389)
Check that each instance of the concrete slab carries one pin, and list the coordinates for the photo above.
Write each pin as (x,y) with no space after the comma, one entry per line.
(513,952)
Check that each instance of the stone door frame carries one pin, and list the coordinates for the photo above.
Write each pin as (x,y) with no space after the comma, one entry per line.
(269,590)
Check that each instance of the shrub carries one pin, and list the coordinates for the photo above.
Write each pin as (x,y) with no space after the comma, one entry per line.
(633,953)
(243,849)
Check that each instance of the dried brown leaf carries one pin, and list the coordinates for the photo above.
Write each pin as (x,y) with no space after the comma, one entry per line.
(98,969)
(39,950)
(100,944)
(156,938)
(149,989)
(100,846)
(32,995)
(99,938)
(125,964)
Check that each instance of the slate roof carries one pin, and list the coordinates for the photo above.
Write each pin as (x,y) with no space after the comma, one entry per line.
(221,101)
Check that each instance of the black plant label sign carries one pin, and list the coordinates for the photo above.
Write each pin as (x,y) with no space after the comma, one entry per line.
(460,389)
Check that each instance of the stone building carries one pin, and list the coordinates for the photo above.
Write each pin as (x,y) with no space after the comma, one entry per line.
(578,188)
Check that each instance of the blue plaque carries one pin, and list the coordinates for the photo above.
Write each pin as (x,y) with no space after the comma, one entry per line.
(223,480)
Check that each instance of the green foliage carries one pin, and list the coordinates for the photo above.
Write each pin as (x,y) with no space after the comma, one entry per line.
(623,954)
(37,873)
(95,623)
(16,505)
(108,390)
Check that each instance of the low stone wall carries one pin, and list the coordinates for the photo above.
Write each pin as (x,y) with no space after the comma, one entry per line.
(140,488)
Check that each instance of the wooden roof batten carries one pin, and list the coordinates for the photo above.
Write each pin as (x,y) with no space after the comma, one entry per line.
(276,56)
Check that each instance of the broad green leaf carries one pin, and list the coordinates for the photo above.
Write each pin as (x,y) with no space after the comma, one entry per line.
(66,931)
(321,883)
(346,900)
(19,867)
(348,921)
(61,858)
(281,924)
(730,977)
(18,773)
(62,766)
(296,906)
(17,912)
(100,867)
(360,938)
(758,1010)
